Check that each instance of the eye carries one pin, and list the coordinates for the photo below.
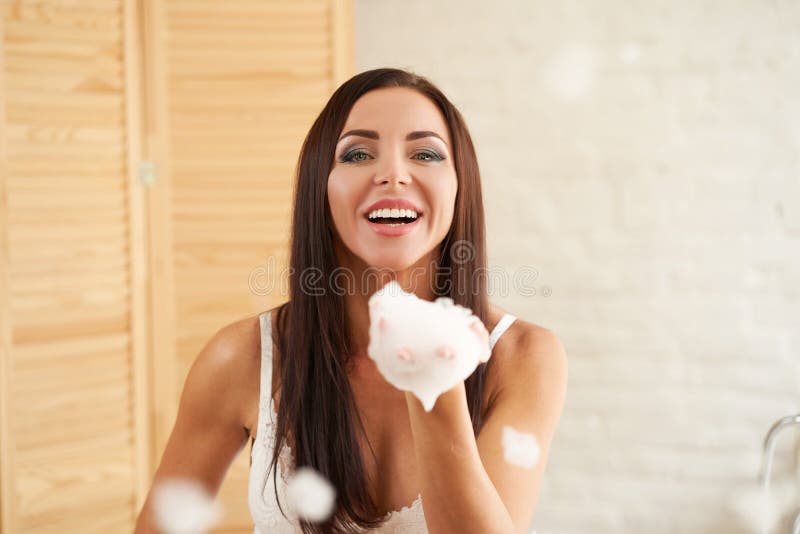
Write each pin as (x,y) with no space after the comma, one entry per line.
(429,156)
(354,155)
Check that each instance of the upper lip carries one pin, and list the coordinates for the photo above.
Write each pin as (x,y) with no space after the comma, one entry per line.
(393,203)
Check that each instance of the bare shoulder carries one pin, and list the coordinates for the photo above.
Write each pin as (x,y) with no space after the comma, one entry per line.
(233,357)
(524,348)
(236,345)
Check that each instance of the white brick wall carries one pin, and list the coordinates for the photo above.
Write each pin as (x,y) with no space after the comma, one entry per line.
(644,157)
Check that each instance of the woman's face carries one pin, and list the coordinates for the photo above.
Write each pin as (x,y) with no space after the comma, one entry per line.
(395,145)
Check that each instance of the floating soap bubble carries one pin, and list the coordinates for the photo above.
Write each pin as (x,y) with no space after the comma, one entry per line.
(520,448)
(183,506)
(571,72)
(311,495)
(630,53)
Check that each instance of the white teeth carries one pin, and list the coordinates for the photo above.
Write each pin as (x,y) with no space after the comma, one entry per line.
(386,212)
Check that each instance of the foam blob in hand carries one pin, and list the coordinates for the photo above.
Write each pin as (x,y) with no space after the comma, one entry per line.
(311,495)
(424,347)
(183,506)
(520,448)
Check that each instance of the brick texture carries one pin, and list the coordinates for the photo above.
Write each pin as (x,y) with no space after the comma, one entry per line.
(644,159)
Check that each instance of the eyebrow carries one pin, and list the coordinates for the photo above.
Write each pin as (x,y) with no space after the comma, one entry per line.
(372,134)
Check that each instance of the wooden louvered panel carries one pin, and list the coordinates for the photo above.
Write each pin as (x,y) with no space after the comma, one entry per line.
(69,268)
(246,79)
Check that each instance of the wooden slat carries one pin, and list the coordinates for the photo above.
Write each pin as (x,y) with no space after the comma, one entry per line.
(111,7)
(95,103)
(51,135)
(178,9)
(78,173)
(212,55)
(27,253)
(32,323)
(65,81)
(93,446)
(192,39)
(80,16)
(33,30)
(62,202)
(60,115)
(74,431)
(45,352)
(57,235)
(29,62)
(81,371)
(86,484)
(288,69)
(100,279)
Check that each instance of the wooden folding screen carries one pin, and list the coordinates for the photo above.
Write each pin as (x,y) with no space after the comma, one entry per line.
(147,151)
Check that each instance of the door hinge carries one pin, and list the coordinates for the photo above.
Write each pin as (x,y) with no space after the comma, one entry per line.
(146,172)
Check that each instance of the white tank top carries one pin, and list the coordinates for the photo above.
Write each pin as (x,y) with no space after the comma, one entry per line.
(267,517)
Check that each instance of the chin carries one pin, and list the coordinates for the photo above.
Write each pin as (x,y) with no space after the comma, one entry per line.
(393,262)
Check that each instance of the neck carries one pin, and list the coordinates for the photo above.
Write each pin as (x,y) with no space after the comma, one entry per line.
(365,281)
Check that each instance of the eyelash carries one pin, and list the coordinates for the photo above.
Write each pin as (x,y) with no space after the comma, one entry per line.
(348,157)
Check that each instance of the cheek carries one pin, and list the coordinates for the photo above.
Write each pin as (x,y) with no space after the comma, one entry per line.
(337,193)
(447,192)
(340,199)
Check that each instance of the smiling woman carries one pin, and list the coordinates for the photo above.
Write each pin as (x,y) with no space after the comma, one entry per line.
(388,189)
(386,141)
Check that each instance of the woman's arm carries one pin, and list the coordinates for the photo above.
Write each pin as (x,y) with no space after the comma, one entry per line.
(467,485)
(208,432)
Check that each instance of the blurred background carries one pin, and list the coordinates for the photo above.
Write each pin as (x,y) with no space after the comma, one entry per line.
(640,164)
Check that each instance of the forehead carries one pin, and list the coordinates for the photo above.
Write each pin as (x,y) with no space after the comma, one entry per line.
(396,111)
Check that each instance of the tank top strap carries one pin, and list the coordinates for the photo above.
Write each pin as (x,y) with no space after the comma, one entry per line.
(499,328)
(265,384)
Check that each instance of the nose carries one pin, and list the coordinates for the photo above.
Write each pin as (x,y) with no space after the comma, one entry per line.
(392,172)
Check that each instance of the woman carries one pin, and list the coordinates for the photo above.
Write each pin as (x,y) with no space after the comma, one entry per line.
(386,135)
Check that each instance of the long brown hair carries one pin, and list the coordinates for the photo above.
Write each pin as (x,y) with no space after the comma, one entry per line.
(317,414)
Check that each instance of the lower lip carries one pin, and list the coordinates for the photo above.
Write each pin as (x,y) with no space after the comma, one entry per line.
(394,231)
